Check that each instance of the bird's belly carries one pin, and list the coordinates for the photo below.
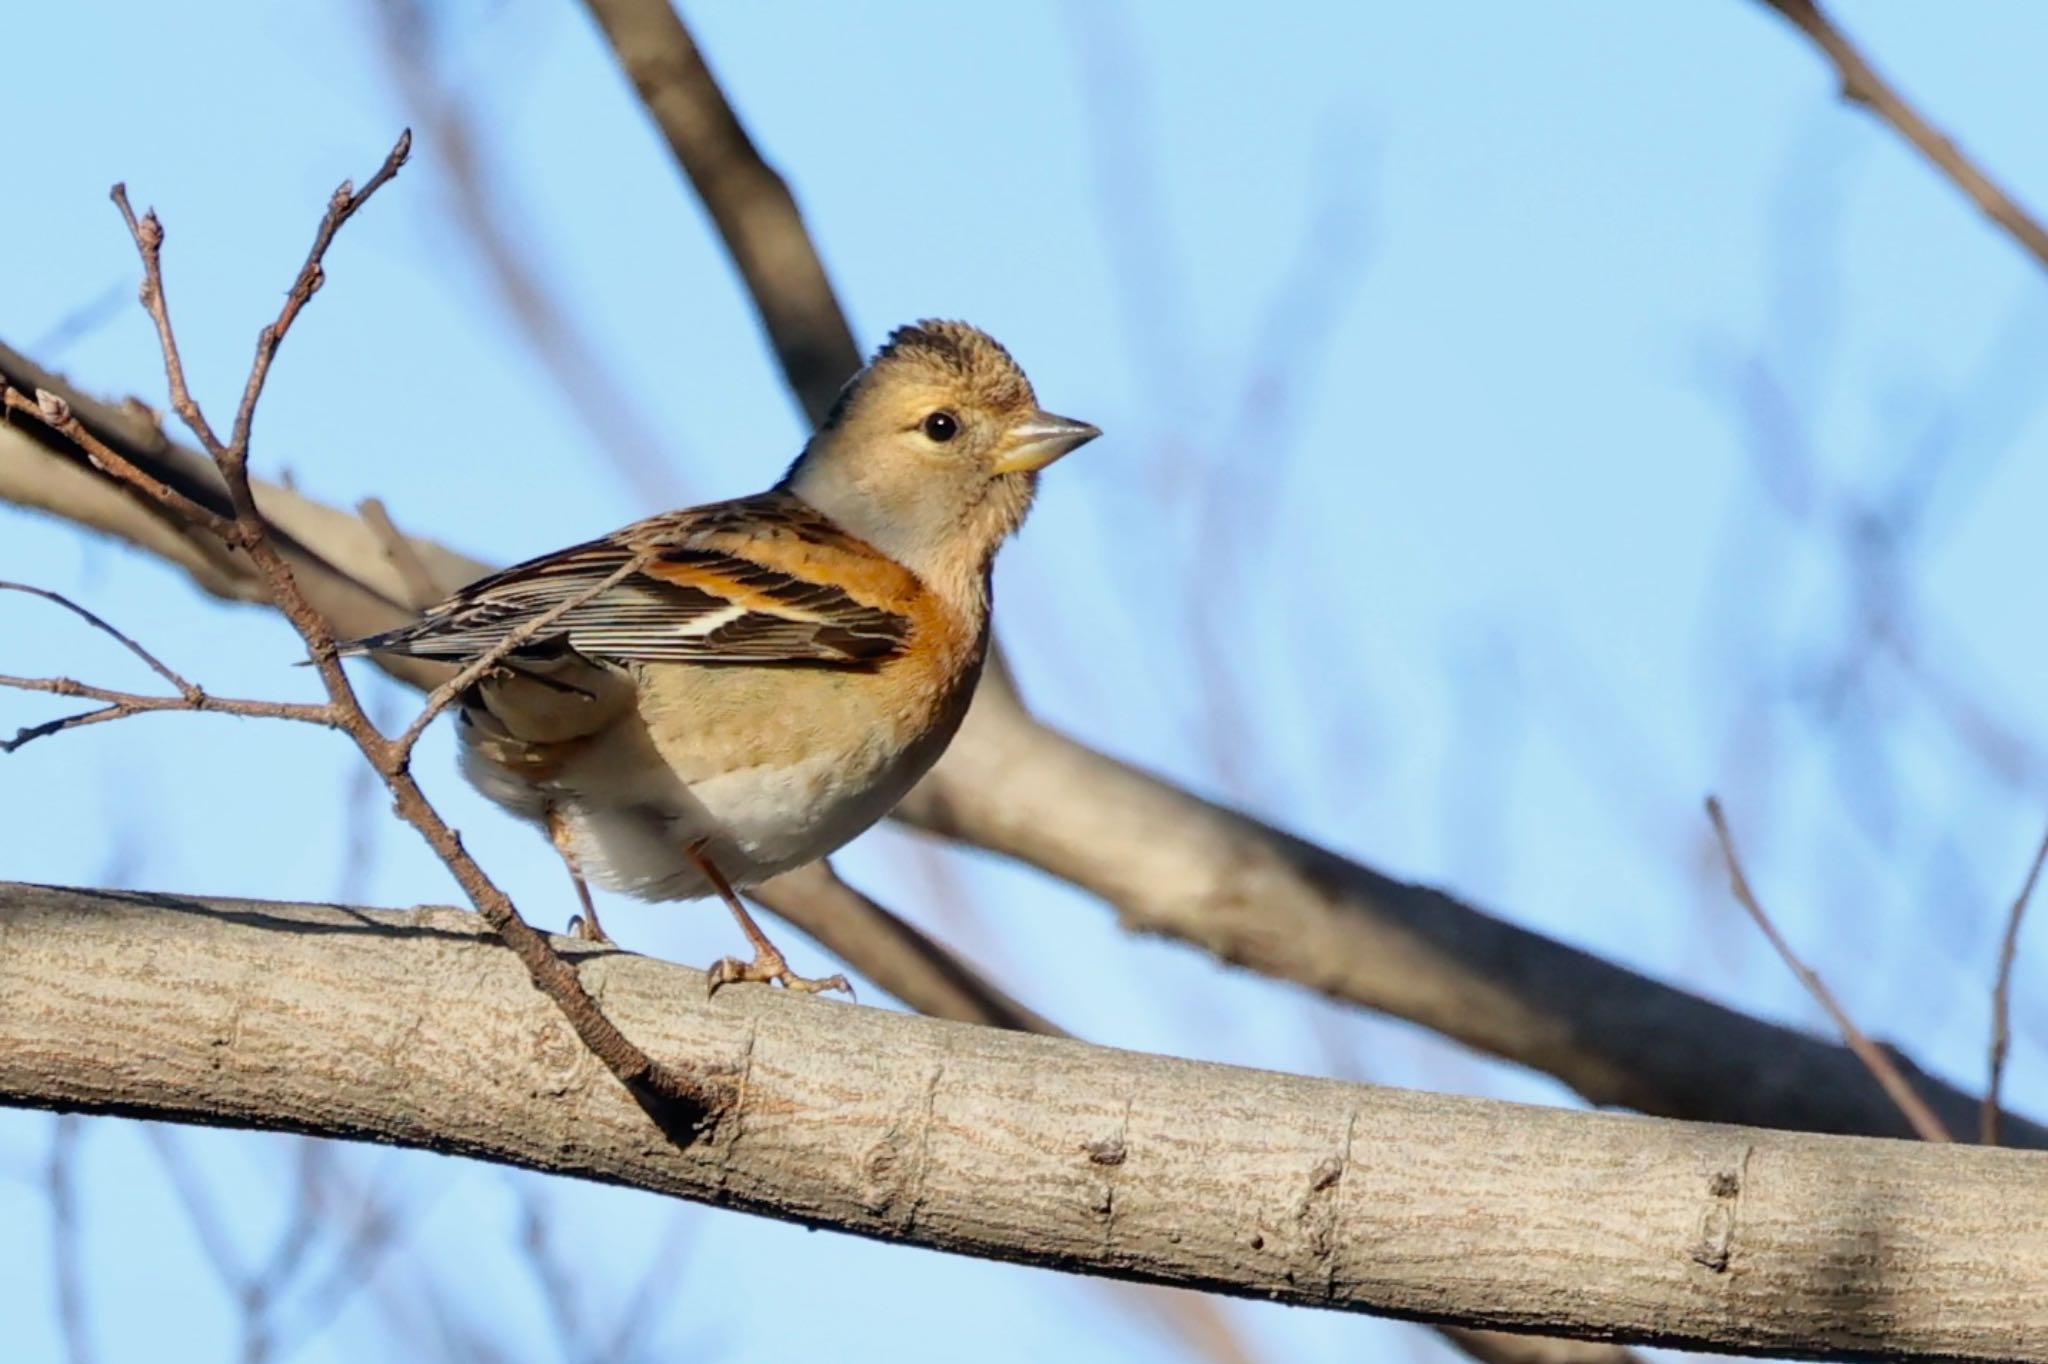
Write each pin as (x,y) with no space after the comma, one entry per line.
(783,816)
(756,795)
(751,823)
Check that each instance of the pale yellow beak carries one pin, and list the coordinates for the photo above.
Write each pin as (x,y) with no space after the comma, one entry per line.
(1040,439)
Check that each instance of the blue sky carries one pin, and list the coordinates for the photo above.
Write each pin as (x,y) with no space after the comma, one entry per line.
(1449,358)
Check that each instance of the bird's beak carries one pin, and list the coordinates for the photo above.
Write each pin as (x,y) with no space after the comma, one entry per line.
(1040,439)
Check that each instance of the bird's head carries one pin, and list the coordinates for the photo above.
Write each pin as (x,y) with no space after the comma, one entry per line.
(933,450)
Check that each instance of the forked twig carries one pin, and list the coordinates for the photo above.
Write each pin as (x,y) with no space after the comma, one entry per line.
(681,1101)
(156,665)
(340,208)
(1923,1119)
(119,705)
(2001,996)
(122,704)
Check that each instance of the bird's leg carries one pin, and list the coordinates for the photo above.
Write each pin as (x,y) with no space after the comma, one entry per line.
(584,925)
(768,965)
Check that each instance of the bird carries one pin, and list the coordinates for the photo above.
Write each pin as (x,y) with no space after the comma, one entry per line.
(709,697)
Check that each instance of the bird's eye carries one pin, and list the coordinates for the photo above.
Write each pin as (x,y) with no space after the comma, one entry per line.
(942,426)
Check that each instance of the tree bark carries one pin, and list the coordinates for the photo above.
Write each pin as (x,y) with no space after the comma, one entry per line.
(414,1028)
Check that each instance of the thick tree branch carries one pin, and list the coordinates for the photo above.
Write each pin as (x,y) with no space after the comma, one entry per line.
(417,1028)
(900,959)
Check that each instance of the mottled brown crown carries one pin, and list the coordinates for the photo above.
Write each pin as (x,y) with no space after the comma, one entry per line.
(947,354)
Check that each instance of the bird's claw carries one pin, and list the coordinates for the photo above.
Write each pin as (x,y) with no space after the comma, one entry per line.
(587,928)
(769,968)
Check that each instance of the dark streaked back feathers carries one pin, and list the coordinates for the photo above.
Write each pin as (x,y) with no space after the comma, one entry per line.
(710,592)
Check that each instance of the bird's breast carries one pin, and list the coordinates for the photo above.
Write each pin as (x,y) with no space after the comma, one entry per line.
(770,768)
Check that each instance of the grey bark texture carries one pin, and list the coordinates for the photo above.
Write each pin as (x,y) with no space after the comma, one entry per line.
(417,1028)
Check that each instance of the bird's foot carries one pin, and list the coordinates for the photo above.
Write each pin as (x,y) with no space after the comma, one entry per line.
(769,968)
(587,928)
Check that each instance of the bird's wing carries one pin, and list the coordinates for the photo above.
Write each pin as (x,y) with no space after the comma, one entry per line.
(762,580)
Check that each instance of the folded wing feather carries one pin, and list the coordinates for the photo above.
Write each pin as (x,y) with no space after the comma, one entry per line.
(700,597)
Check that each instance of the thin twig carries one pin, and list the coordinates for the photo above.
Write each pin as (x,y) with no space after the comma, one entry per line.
(347,199)
(375,1223)
(28,734)
(679,1101)
(121,704)
(156,665)
(263,1291)
(1924,1122)
(1861,84)
(148,232)
(2001,996)
(635,1324)
(56,414)
(442,696)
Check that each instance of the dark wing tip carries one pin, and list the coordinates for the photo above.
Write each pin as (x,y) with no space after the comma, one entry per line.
(386,641)
(356,648)
(433,636)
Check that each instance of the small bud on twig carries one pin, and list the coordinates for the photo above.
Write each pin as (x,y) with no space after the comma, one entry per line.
(53,408)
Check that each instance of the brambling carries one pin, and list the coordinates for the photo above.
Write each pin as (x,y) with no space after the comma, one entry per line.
(766,677)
